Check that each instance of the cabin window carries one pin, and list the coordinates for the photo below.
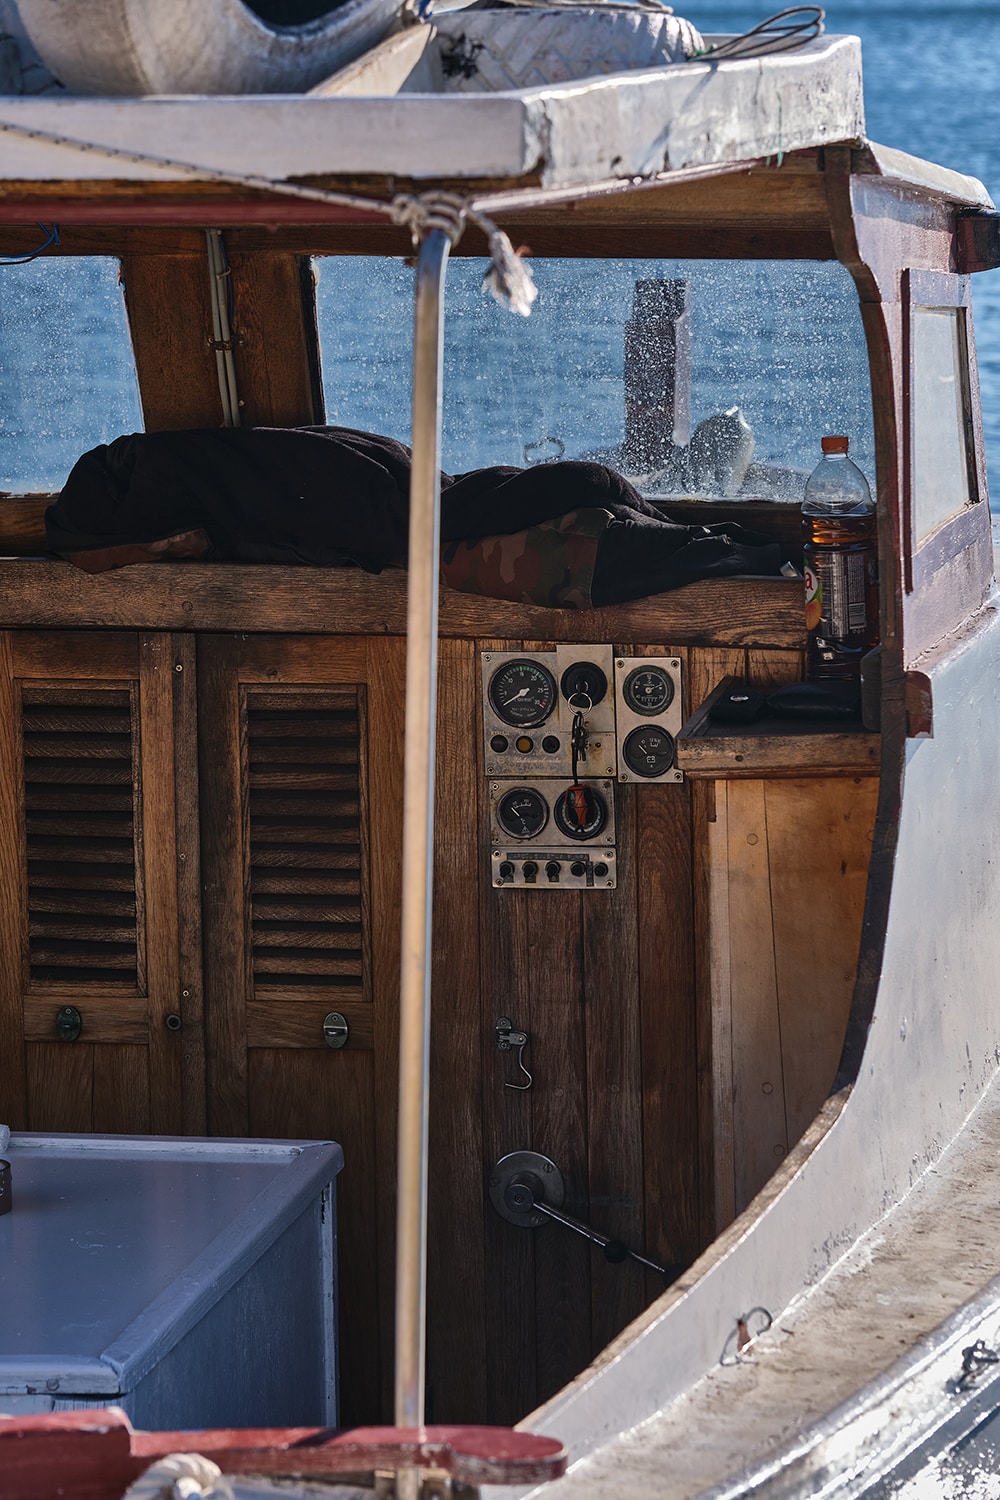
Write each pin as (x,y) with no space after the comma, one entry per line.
(66,368)
(941,459)
(622,361)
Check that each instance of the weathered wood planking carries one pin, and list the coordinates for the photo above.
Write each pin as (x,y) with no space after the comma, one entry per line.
(456,1369)
(172,333)
(787,874)
(347,601)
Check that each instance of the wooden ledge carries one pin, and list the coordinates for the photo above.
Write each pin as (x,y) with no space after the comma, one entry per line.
(773,746)
(44,593)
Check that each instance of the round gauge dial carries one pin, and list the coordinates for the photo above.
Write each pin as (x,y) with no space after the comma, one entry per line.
(648,690)
(522,813)
(648,751)
(581,812)
(522,693)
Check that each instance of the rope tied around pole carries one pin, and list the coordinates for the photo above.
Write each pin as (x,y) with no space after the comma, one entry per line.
(508,278)
(181,1476)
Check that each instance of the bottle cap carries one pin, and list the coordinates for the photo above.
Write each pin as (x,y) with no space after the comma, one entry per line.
(835,444)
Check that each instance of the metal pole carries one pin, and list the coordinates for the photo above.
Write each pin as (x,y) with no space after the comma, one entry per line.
(418,813)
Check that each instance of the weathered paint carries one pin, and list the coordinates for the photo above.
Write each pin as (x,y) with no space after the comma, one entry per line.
(692,114)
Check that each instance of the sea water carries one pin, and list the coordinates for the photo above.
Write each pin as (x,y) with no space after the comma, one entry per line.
(931,88)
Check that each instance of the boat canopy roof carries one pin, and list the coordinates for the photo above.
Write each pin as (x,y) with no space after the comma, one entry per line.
(649,124)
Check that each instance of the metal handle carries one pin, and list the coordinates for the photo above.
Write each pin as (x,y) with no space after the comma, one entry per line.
(527,1188)
(507,1040)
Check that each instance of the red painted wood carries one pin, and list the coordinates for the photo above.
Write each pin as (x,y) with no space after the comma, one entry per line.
(95,1455)
(206,212)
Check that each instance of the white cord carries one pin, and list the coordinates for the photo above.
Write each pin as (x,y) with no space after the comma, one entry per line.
(181,1476)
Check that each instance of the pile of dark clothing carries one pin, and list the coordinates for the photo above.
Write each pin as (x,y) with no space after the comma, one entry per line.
(565,535)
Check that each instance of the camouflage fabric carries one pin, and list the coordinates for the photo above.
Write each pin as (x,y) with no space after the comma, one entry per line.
(551,564)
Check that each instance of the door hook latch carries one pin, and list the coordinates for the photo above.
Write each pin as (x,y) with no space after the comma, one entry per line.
(509,1040)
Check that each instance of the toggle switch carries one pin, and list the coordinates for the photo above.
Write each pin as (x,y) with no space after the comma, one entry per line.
(530,871)
(553,870)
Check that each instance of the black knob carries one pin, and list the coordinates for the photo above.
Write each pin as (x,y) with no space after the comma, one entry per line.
(506,870)
(529,870)
(552,869)
(550,744)
(600,870)
(577,869)
(172,1022)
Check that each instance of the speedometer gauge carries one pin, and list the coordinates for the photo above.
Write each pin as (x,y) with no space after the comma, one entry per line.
(522,693)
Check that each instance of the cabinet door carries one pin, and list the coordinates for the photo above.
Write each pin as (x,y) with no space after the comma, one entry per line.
(99,927)
(301,904)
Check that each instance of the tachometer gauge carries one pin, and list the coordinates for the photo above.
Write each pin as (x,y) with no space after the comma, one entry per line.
(648,690)
(522,693)
(648,751)
(580,812)
(522,813)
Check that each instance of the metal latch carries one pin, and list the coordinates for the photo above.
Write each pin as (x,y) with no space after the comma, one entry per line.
(335,1030)
(69,1023)
(507,1040)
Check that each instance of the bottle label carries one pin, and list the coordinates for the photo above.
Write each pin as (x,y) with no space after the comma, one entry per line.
(814,598)
(837,605)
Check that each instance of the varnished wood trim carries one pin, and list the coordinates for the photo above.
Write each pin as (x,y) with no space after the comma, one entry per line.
(13,917)
(346,601)
(158,666)
(45,656)
(106,1017)
(279,1022)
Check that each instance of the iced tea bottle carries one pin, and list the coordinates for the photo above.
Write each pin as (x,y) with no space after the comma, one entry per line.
(838,527)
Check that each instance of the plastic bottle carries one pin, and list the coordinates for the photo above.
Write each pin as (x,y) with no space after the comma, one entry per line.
(838,527)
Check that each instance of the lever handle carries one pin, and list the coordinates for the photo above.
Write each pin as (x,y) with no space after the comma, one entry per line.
(527,1189)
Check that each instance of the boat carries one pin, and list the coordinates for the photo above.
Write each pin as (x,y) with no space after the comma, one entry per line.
(713,1050)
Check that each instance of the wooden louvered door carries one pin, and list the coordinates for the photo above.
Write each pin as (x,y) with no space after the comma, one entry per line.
(301,909)
(98,884)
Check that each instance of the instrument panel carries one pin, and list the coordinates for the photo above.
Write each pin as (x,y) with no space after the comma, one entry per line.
(560,728)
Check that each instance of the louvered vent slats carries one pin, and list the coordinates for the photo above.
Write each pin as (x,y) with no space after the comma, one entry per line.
(305,842)
(80,833)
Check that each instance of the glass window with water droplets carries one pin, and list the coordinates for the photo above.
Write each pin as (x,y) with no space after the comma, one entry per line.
(66,368)
(703,379)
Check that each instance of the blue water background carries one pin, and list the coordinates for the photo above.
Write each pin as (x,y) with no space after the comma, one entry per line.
(557,380)
(931,88)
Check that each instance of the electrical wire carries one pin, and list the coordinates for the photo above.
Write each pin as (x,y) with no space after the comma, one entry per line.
(52,230)
(779,33)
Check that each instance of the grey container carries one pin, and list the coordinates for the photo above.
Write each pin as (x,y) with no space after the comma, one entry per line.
(191,1282)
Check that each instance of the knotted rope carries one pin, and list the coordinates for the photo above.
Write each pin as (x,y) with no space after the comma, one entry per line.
(508,278)
(181,1476)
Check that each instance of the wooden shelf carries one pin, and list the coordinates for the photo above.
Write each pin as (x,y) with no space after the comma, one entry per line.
(45,593)
(773,745)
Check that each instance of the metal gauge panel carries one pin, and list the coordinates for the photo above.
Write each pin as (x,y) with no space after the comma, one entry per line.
(530,700)
(649,714)
(553,835)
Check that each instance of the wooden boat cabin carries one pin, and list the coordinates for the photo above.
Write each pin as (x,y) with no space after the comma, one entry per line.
(201,762)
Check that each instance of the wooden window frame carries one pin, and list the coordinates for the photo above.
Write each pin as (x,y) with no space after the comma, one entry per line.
(930,289)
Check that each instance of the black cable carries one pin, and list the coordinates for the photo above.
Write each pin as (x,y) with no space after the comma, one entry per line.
(778,33)
(22,260)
